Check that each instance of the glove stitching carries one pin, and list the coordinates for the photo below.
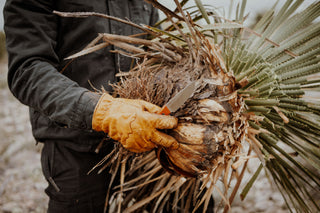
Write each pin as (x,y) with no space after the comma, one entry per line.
(134,116)
(143,137)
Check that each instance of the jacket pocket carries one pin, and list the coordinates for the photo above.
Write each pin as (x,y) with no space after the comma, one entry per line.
(140,13)
(47,164)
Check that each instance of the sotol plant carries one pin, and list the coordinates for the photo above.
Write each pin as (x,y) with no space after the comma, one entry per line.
(256,98)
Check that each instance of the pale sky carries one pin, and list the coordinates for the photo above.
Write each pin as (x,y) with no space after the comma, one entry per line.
(252,5)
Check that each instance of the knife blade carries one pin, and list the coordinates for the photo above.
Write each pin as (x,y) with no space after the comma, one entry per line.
(179,99)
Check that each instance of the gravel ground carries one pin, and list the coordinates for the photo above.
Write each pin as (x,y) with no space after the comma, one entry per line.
(22,183)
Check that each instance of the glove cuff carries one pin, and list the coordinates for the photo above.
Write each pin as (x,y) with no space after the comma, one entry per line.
(100,111)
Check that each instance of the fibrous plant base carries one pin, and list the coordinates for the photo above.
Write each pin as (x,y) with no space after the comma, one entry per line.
(211,129)
(250,102)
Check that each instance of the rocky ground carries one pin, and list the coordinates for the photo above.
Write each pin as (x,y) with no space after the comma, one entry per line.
(21,181)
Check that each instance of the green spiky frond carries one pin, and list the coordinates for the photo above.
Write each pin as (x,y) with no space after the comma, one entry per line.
(278,63)
(279,59)
(276,70)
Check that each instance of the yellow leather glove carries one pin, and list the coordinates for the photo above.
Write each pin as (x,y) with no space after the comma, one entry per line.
(133,123)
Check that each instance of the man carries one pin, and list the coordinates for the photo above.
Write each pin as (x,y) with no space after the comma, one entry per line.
(65,114)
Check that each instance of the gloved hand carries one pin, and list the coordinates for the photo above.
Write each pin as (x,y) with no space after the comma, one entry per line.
(133,123)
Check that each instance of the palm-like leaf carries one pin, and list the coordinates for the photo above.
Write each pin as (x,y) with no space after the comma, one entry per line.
(276,67)
(278,89)
(280,61)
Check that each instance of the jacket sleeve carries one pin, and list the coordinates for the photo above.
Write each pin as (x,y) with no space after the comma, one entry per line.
(31,32)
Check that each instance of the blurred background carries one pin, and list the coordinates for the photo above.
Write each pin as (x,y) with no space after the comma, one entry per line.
(21,181)
(1,17)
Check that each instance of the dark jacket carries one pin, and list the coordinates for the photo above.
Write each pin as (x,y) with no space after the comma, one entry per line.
(61,105)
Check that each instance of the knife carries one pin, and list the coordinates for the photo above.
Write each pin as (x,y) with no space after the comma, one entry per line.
(179,99)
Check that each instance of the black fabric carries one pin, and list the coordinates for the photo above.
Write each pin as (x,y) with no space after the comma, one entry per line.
(61,104)
(70,189)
